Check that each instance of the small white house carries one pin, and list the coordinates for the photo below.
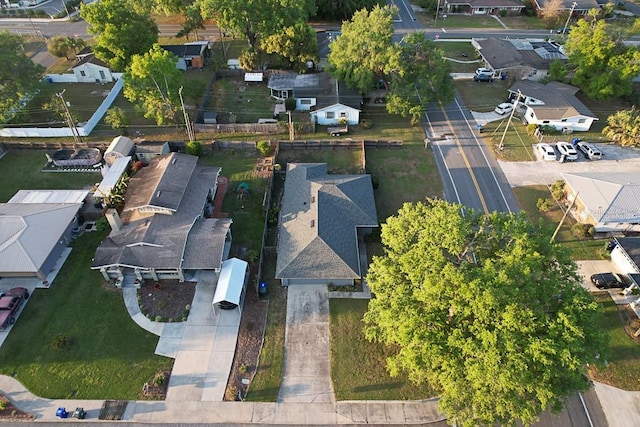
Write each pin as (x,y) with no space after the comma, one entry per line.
(553,104)
(92,70)
(121,146)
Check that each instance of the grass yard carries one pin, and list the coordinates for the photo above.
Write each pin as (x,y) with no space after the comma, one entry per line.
(338,161)
(525,23)
(483,97)
(107,356)
(580,249)
(22,170)
(247,101)
(357,365)
(518,145)
(460,51)
(623,359)
(83,100)
(32,45)
(457,21)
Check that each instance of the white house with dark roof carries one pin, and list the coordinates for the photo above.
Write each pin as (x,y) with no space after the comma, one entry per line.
(483,7)
(581,7)
(162,232)
(609,201)
(553,104)
(322,221)
(90,69)
(35,228)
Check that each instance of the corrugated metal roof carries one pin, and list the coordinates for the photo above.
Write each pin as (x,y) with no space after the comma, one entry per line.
(112,176)
(231,281)
(49,196)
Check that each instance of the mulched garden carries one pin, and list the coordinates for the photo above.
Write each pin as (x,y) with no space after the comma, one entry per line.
(166,300)
(8,412)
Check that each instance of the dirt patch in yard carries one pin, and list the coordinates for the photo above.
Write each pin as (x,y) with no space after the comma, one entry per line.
(166,300)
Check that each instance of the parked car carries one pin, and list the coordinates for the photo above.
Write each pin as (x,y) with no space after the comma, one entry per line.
(565,149)
(546,151)
(483,70)
(483,78)
(608,281)
(10,303)
(504,108)
(590,152)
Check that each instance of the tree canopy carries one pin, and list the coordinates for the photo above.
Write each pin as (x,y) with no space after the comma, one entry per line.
(422,76)
(483,308)
(19,76)
(604,67)
(364,53)
(120,32)
(297,44)
(152,83)
(624,127)
(256,19)
(65,46)
(340,10)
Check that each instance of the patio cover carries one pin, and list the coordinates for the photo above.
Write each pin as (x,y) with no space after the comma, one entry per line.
(231,282)
(112,175)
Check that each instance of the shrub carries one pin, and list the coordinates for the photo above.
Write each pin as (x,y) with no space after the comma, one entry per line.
(342,121)
(531,128)
(3,405)
(290,104)
(557,190)
(194,148)
(264,147)
(60,342)
(249,59)
(272,215)
(366,124)
(137,166)
(582,231)
(544,205)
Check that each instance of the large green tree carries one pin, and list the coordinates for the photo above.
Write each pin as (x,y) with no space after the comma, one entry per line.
(256,19)
(19,76)
(297,44)
(152,83)
(364,52)
(604,67)
(120,32)
(624,127)
(65,46)
(421,76)
(483,308)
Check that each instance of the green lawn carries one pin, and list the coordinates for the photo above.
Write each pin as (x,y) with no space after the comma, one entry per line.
(22,170)
(338,161)
(358,366)
(525,23)
(623,358)
(108,356)
(580,249)
(460,51)
(247,101)
(457,21)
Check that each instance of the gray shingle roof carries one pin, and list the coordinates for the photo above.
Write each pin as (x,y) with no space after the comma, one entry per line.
(162,241)
(559,100)
(609,197)
(319,217)
(330,92)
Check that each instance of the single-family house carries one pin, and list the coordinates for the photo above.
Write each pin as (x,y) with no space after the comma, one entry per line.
(162,232)
(483,7)
(120,146)
(190,55)
(329,101)
(90,69)
(147,150)
(323,220)
(609,201)
(35,229)
(528,59)
(581,6)
(553,104)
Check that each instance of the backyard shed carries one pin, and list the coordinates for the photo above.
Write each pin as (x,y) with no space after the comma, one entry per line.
(121,146)
(230,289)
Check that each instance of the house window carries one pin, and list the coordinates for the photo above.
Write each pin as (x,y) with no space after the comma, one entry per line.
(83,74)
(564,120)
(531,114)
(330,115)
(305,102)
(102,75)
(544,122)
(582,120)
(343,114)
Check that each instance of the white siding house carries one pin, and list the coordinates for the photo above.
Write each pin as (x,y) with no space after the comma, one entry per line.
(92,70)
(336,114)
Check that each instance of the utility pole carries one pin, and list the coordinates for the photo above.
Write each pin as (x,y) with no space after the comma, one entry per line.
(573,6)
(187,122)
(69,118)
(555,233)
(513,110)
(291,135)
(435,20)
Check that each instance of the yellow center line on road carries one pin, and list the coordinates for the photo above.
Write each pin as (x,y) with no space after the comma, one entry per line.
(466,161)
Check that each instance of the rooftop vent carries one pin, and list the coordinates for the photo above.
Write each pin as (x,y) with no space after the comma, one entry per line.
(312,223)
(313,199)
(173,161)
(158,194)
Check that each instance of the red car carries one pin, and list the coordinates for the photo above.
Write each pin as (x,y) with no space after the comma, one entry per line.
(10,303)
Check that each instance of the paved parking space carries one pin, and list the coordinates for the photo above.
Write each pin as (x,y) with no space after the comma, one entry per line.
(29,283)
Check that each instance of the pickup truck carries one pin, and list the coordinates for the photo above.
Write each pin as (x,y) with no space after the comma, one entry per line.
(337,130)
(10,303)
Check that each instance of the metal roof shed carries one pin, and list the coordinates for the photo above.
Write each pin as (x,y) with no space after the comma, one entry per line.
(231,284)
(111,176)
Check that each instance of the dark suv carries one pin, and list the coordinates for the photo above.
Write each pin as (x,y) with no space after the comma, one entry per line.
(10,303)
(483,78)
(608,281)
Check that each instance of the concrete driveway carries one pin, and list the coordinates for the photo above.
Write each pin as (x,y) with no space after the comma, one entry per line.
(307,354)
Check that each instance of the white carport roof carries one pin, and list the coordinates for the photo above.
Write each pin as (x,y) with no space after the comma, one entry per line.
(231,281)
(112,175)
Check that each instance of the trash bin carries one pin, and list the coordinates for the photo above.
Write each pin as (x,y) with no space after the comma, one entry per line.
(62,413)
(262,289)
(79,413)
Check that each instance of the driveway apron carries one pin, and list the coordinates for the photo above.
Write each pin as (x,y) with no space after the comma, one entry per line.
(307,374)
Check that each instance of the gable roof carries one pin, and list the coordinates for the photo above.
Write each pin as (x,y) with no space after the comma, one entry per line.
(231,281)
(487,3)
(559,100)
(90,58)
(30,231)
(181,240)
(319,217)
(581,5)
(289,81)
(152,147)
(49,196)
(509,53)
(185,50)
(328,92)
(609,197)
(162,183)
(120,145)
